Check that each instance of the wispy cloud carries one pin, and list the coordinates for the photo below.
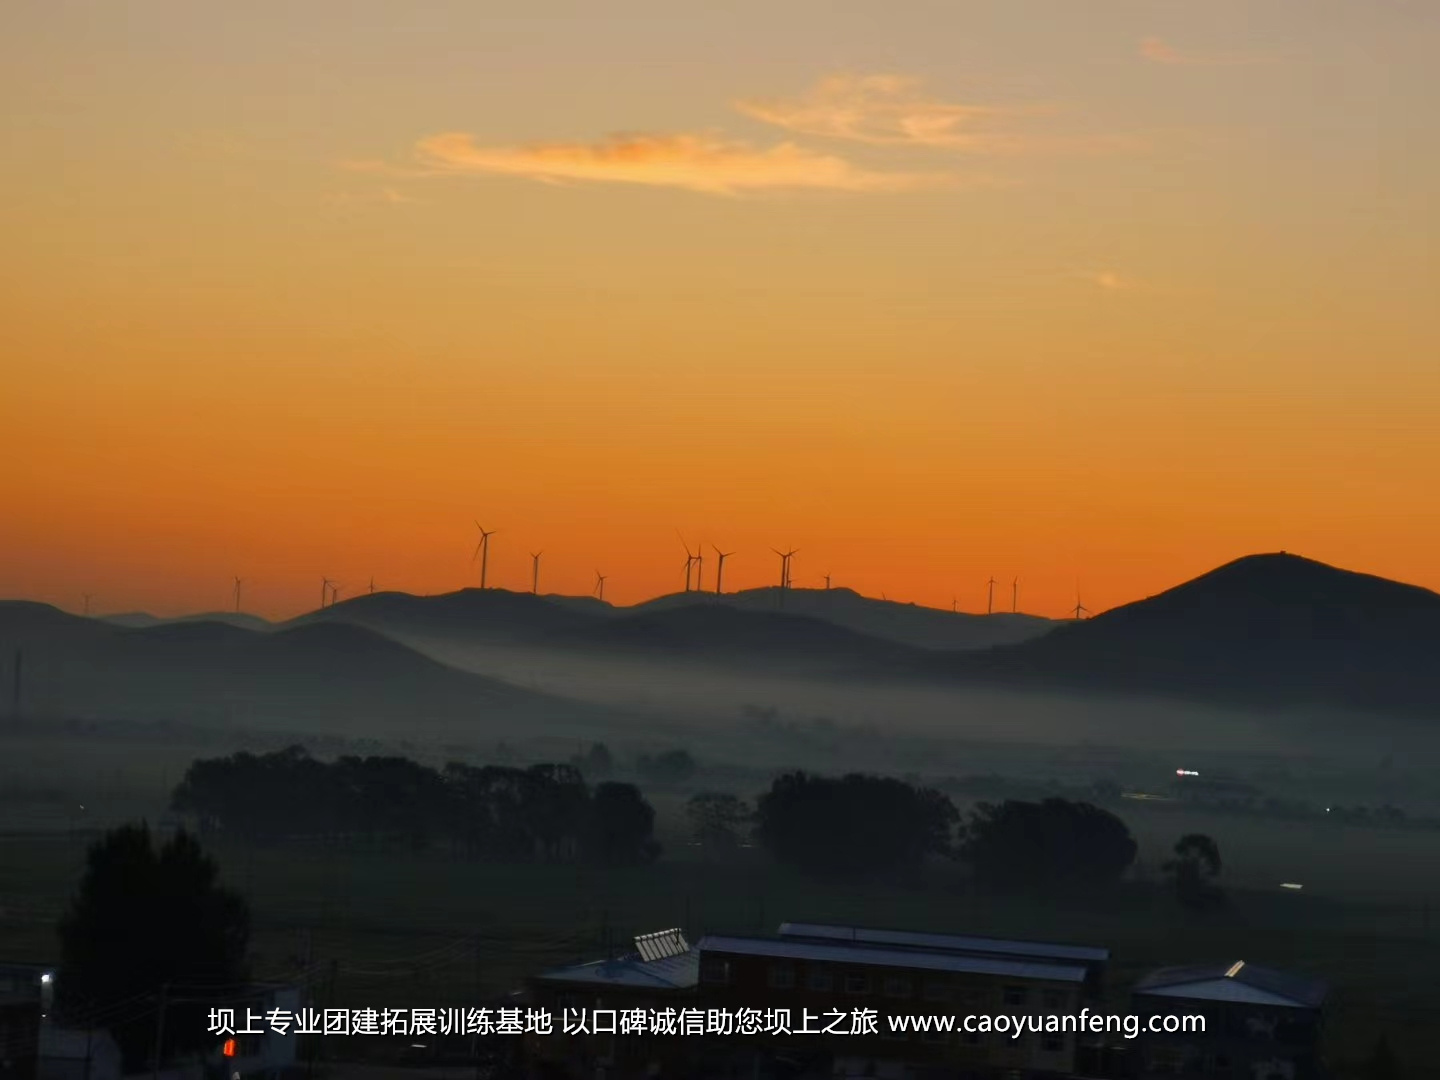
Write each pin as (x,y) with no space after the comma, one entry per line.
(875,110)
(1158,51)
(1111,280)
(894,110)
(703,163)
(384,196)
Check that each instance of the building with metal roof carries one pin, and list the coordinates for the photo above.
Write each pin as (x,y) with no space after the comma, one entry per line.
(1259,1023)
(956,943)
(630,972)
(662,972)
(1239,981)
(818,975)
(866,955)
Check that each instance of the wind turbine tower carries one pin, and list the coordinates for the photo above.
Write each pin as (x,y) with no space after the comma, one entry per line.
(482,552)
(720,557)
(238,583)
(689,561)
(599,585)
(990,597)
(785,557)
(535,572)
(1015,596)
(1080,610)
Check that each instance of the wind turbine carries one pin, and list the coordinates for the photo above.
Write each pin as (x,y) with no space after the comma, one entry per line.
(1015,596)
(1080,610)
(535,571)
(700,568)
(372,586)
(599,585)
(785,557)
(482,551)
(325,584)
(689,559)
(238,583)
(990,597)
(720,557)
(334,593)
(827,582)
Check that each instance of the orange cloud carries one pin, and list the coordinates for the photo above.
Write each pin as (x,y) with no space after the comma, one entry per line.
(892,110)
(694,162)
(1158,51)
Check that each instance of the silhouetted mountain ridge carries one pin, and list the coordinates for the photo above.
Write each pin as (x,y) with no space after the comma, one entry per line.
(717,632)
(332,674)
(908,624)
(1273,629)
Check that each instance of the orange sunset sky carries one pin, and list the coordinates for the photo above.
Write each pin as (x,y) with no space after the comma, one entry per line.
(1095,292)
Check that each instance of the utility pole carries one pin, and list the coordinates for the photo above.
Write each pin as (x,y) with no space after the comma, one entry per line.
(475,1039)
(160,1030)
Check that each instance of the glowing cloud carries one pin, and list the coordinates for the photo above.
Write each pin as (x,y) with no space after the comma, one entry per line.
(1158,51)
(892,110)
(695,162)
(1111,281)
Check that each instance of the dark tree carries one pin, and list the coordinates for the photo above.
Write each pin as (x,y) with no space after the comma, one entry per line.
(144,919)
(1382,1063)
(718,821)
(1194,869)
(854,825)
(621,827)
(1046,843)
(557,804)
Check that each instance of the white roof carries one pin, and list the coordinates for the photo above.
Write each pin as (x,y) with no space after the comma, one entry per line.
(910,939)
(837,952)
(1240,981)
(1223,990)
(633,971)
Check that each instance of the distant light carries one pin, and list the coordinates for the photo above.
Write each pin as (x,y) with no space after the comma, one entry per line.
(1291,885)
(1235,969)
(47,978)
(417,1046)
(229,1048)
(1186,772)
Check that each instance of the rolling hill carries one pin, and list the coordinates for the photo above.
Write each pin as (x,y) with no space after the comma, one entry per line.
(1272,629)
(906,624)
(498,616)
(138,620)
(723,635)
(495,616)
(329,676)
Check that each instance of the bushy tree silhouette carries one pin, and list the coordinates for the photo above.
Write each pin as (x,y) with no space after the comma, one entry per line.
(853,825)
(621,827)
(718,821)
(1382,1063)
(144,918)
(1054,842)
(1194,869)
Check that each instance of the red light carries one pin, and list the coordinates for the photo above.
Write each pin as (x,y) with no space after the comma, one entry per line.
(229,1048)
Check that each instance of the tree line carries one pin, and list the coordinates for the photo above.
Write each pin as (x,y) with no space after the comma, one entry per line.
(545,812)
(862,825)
